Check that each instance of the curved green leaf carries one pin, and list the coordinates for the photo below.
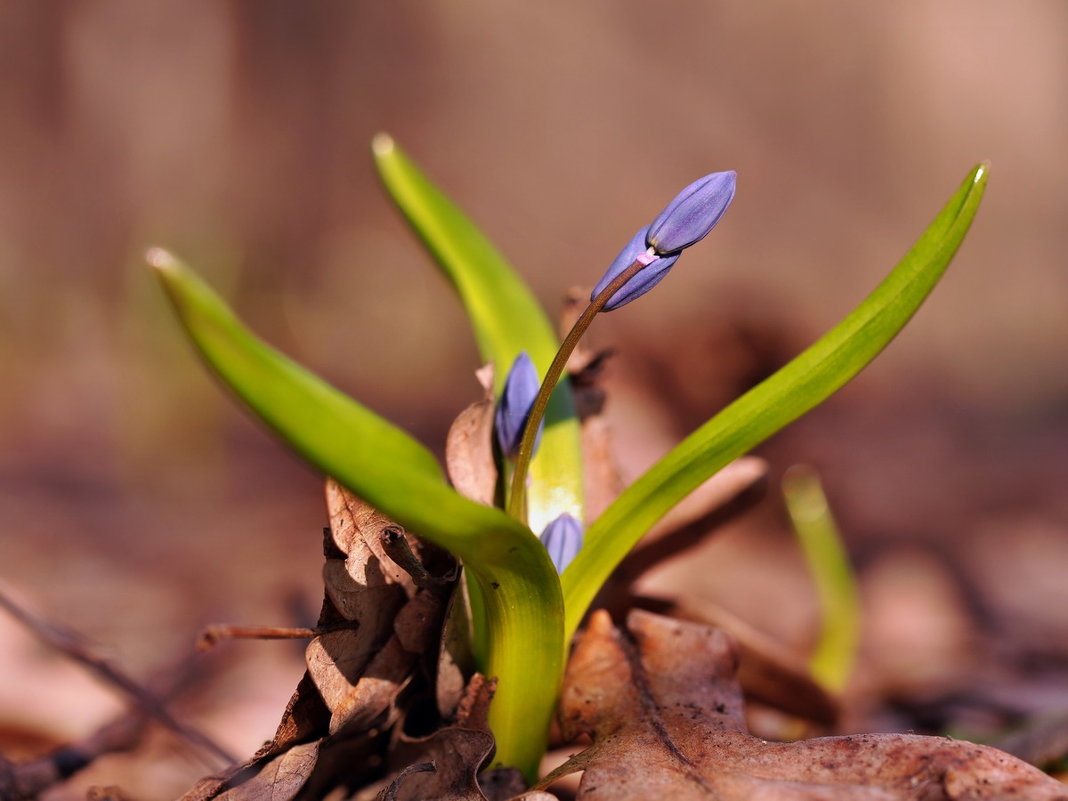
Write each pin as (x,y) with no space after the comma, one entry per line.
(397,475)
(506,319)
(795,389)
(828,564)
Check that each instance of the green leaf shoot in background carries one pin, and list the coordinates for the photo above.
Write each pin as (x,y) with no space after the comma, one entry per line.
(835,653)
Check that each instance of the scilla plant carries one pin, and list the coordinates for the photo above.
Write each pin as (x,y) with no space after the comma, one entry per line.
(523,612)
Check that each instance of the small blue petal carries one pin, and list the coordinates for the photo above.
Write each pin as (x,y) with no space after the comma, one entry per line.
(562,538)
(693,213)
(520,389)
(643,281)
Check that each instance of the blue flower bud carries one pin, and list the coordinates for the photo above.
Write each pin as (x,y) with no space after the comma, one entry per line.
(651,275)
(693,213)
(562,538)
(686,220)
(520,389)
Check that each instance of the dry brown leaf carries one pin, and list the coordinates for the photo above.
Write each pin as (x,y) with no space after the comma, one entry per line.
(364,592)
(371,698)
(357,530)
(379,623)
(280,779)
(445,765)
(277,776)
(455,661)
(601,479)
(305,718)
(360,668)
(469,446)
(768,670)
(1041,741)
(452,757)
(665,715)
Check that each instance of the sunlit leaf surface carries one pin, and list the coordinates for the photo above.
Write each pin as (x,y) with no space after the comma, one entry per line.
(799,386)
(398,476)
(506,319)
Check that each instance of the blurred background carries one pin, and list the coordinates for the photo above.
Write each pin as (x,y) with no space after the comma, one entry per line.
(136,502)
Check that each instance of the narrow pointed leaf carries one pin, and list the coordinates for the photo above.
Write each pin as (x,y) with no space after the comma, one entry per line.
(795,389)
(506,319)
(828,564)
(397,475)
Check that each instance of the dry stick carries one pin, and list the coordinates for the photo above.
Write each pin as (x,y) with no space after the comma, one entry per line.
(27,780)
(517,495)
(69,642)
(211,635)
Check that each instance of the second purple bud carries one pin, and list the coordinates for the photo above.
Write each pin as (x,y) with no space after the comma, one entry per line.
(520,389)
(562,538)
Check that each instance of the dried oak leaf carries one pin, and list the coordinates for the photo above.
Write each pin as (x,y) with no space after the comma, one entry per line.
(280,778)
(384,622)
(447,769)
(378,624)
(469,446)
(665,715)
(768,670)
(444,766)
(472,470)
(455,662)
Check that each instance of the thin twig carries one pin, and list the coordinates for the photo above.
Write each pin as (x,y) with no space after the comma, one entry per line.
(70,643)
(27,780)
(210,636)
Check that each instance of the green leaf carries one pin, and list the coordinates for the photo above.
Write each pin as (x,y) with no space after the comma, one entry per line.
(506,319)
(828,564)
(397,475)
(795,389)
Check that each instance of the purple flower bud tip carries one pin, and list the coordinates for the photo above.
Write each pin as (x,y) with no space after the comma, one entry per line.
(643,281)
(562,538)
(520,389)
(686,220)
(693,213)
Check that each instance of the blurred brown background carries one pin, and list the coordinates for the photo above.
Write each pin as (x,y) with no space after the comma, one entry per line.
(137,504)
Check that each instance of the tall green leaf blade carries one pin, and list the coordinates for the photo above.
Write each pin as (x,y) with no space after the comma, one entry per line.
(795,389)
(506,319)
(397,475)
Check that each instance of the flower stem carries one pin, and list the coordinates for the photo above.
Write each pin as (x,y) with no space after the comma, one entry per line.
(517,495)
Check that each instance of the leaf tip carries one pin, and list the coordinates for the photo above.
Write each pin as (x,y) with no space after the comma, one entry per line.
(160,259)
(382,144)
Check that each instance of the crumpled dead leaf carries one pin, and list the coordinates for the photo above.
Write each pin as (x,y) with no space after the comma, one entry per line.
(444,766)
(665,715)
(469,446)
(381,619)
(280,777)
(768,670)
